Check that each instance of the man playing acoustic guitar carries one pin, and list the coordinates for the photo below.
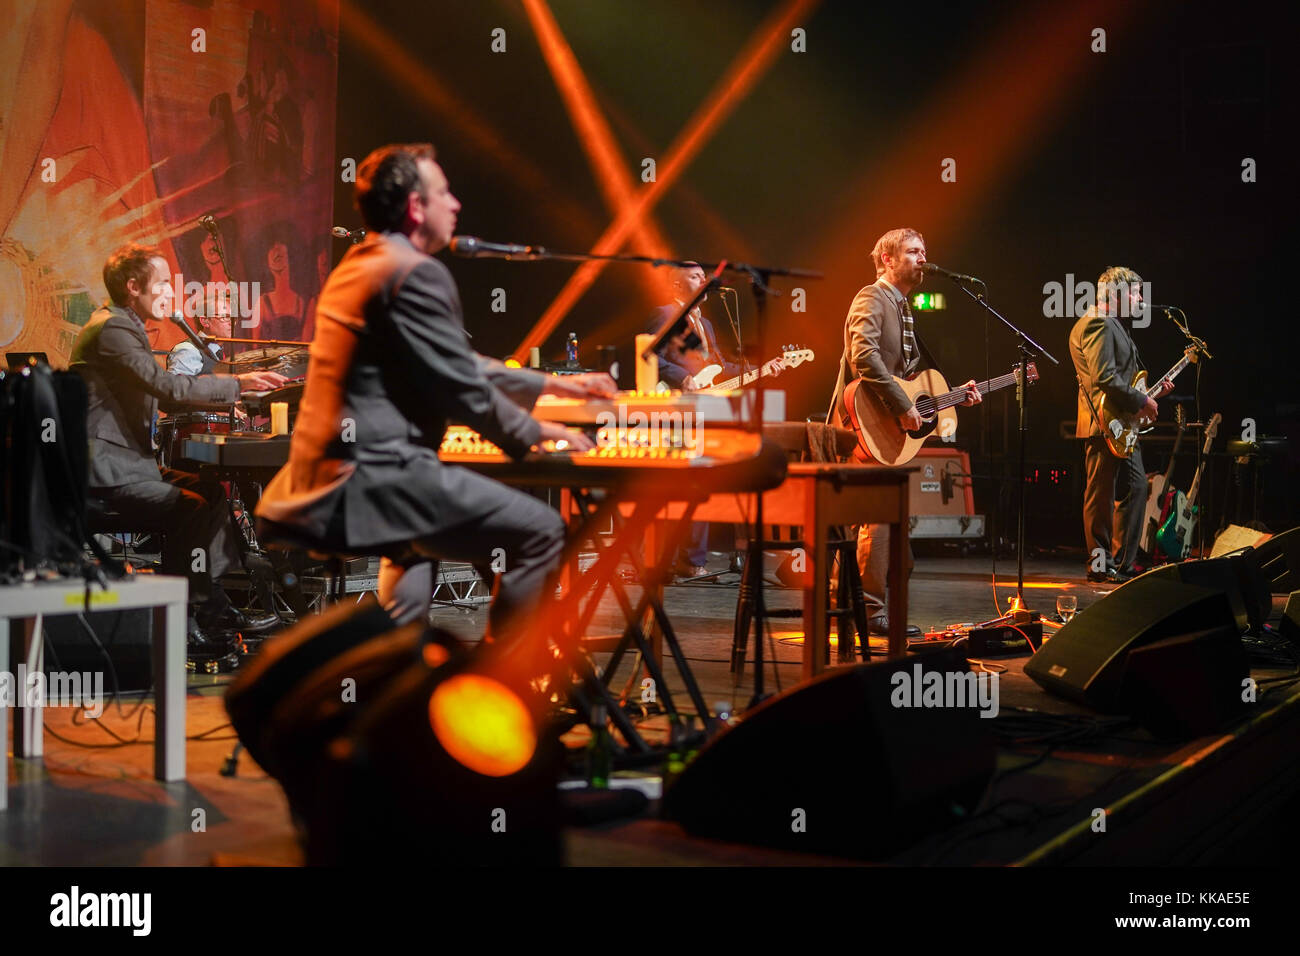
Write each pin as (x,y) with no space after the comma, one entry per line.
(879,343)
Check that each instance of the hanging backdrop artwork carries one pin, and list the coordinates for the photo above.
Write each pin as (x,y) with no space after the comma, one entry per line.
(129,121)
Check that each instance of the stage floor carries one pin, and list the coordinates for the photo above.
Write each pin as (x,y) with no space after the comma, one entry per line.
(1227,798)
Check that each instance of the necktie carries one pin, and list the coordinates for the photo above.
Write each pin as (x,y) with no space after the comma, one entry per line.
(909,336)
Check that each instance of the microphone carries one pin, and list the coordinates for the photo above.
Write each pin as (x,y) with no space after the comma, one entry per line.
(193,336)
(472,247)
(208,223)
(356,235)
(931,269)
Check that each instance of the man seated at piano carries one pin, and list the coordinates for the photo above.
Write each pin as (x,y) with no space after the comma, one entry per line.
(126,386)
(390,365)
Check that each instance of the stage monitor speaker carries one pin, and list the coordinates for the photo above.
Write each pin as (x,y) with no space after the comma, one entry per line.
(1279,560)
(1188,685)
(1085,660)
(1236,573)
(1289,626)
(835,767)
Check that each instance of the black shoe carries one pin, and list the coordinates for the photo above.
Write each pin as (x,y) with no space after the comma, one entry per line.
(207,641)
(1111,576)
(233,619)
(879,626)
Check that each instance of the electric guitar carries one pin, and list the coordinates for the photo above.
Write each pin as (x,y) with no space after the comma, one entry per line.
(792,357)
(1122,431)
(879,433)
(1160,491)
(1175,536)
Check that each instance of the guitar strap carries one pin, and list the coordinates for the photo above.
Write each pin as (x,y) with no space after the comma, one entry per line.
(1092,408)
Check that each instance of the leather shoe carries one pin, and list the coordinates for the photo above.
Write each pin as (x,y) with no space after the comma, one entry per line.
(879,626)
(246,622)
(691,571)
(1109,576)
(207,642)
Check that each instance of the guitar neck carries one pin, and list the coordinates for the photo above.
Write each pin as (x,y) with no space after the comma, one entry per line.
(1169,376)
(744,379)
(957,396)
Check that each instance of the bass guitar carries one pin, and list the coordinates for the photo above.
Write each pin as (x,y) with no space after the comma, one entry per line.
(879,433)
(792,357)
(1122,431)
(1175,536)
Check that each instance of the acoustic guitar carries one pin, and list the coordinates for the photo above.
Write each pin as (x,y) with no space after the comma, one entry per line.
(879,433)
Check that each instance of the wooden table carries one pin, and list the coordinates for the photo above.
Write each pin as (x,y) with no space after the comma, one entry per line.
(818,496)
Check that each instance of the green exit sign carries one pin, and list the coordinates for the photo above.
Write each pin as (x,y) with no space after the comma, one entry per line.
(929,302)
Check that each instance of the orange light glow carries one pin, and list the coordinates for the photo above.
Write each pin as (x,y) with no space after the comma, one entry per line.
(482,724)
(435,655)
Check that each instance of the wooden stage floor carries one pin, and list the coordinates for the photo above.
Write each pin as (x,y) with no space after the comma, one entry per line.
(1227,798)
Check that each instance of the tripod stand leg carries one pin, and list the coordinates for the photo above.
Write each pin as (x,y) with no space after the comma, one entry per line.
(745,608)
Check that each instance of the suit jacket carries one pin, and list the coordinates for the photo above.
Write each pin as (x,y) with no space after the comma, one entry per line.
(873,350)
(673,373)
(126,386)
(390,366)
(1106,360)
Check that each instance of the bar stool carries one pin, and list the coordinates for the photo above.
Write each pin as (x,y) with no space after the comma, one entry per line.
(848,608)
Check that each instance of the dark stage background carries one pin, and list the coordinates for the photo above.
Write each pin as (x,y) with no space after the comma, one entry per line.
(1067,161)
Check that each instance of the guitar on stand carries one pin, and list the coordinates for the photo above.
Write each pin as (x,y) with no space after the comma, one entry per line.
(1175,535)
(1122,431)
(879,433)
(1160,493)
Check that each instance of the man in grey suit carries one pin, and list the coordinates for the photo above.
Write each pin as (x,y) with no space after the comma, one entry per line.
(879,343)
(1106,360)
(126,386)
(390,365)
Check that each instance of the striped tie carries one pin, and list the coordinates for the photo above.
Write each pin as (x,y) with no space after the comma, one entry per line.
(909,336)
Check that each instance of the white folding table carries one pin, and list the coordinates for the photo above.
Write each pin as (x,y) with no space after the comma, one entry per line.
(31,602)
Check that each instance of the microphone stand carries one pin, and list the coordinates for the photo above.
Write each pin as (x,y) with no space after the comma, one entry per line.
(1027,348)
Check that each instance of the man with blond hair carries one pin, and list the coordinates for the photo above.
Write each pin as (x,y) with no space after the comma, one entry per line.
(1106,361)
(880,343)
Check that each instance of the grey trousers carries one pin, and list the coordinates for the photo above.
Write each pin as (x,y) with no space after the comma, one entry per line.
(518,539)
(873,563)
(1114,501)
(198,540)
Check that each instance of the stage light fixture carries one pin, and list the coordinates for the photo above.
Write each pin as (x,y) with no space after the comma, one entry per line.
(483,724)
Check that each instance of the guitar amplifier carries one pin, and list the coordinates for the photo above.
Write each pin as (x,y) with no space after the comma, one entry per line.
(940,499)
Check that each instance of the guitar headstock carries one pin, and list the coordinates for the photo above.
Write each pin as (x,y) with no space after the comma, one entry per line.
(1193,354)
(1211,430)
(792,356)
(1031,371)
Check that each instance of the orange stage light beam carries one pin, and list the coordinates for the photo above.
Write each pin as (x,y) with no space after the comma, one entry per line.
(746,69)
(594,134)
(426,89)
